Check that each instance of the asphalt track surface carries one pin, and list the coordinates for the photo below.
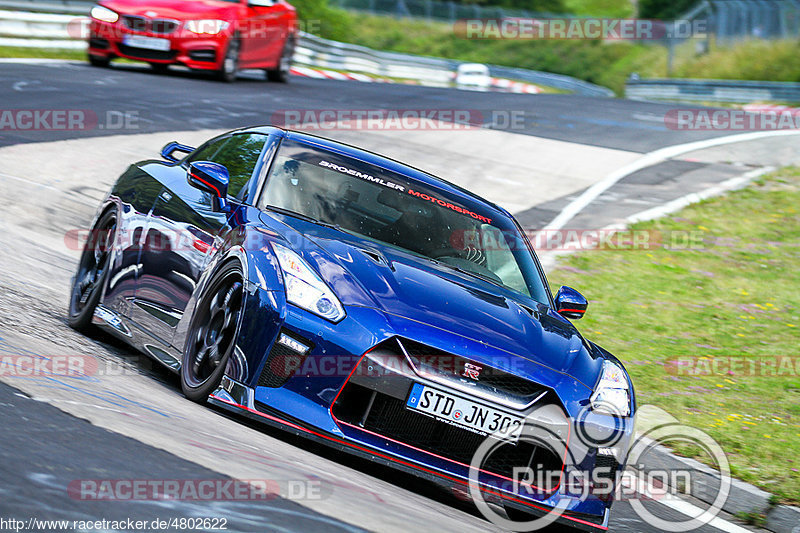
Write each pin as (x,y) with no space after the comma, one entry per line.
(135,424)
(184,100)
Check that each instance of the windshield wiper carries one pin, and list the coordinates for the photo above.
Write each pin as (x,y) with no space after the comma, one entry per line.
(469,273)
(301,216)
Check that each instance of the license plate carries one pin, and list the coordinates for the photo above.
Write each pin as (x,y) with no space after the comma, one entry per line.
(150,43)
(458,411)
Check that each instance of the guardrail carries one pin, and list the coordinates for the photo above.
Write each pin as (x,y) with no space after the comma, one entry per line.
(722,91)
(69,7)
(313,50)
(65,30)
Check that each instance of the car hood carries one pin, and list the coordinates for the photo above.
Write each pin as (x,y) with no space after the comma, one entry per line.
(408,289)
(171,9)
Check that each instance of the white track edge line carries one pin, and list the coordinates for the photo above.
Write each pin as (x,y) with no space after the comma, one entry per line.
(684,507)
(651,158)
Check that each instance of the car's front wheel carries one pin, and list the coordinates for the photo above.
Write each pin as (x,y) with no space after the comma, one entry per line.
(230,63)
(159,68)
(90,277)
(99,61)
(281,73)
(212,333)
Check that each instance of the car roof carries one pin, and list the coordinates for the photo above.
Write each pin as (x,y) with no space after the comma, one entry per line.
(473,66)
(374,159)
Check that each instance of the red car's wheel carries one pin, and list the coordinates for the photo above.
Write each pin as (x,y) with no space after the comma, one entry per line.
(230,63)
(99,61)
(159,68)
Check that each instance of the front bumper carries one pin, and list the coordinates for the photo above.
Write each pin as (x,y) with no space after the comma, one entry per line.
(239,399)
(201,52)
(277,387)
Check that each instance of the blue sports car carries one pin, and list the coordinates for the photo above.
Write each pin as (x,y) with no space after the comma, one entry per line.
(369,306)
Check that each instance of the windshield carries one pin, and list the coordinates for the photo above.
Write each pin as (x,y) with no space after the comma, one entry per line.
(456,231)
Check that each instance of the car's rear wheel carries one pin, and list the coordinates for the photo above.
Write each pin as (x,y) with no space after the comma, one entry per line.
(99,61)
(212,333)
(281,74)
(90,277)
(230,63)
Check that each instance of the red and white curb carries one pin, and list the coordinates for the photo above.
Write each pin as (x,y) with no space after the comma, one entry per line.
(771,108)
(334,75)
(318,73)
(516,86)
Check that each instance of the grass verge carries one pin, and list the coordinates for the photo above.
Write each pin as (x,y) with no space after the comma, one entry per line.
(736,295)
(48,53)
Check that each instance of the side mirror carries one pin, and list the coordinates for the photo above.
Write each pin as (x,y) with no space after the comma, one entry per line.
(570,303)
(172,147)
(211,178)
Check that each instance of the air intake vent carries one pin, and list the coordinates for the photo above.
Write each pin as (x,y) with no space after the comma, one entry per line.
(282,363)
(389,417)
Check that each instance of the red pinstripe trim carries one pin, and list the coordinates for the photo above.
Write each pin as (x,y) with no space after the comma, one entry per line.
(201,180)
(395,459)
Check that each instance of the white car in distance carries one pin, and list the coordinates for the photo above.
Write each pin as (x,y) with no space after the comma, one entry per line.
(473,75)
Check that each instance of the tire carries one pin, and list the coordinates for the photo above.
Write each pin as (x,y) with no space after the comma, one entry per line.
(281,74)
(98,61)
(212,334)
(159,68)
(90,277)
(230,63)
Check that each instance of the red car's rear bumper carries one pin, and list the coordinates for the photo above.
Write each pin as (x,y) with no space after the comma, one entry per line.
(203,52)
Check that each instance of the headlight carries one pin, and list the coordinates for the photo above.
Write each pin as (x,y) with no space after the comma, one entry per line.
(305,289)
(104,14)
(612,394)
(207,26)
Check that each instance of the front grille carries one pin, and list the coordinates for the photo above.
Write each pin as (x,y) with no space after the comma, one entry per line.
(134,23)
(163,26)
(389,417)
(452,367)
(281,364)
(144,53)
(143,24)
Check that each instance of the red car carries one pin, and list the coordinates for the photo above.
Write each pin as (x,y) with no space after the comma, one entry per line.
(222,36)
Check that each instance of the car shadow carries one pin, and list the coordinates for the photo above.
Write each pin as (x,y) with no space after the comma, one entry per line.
(177,71)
